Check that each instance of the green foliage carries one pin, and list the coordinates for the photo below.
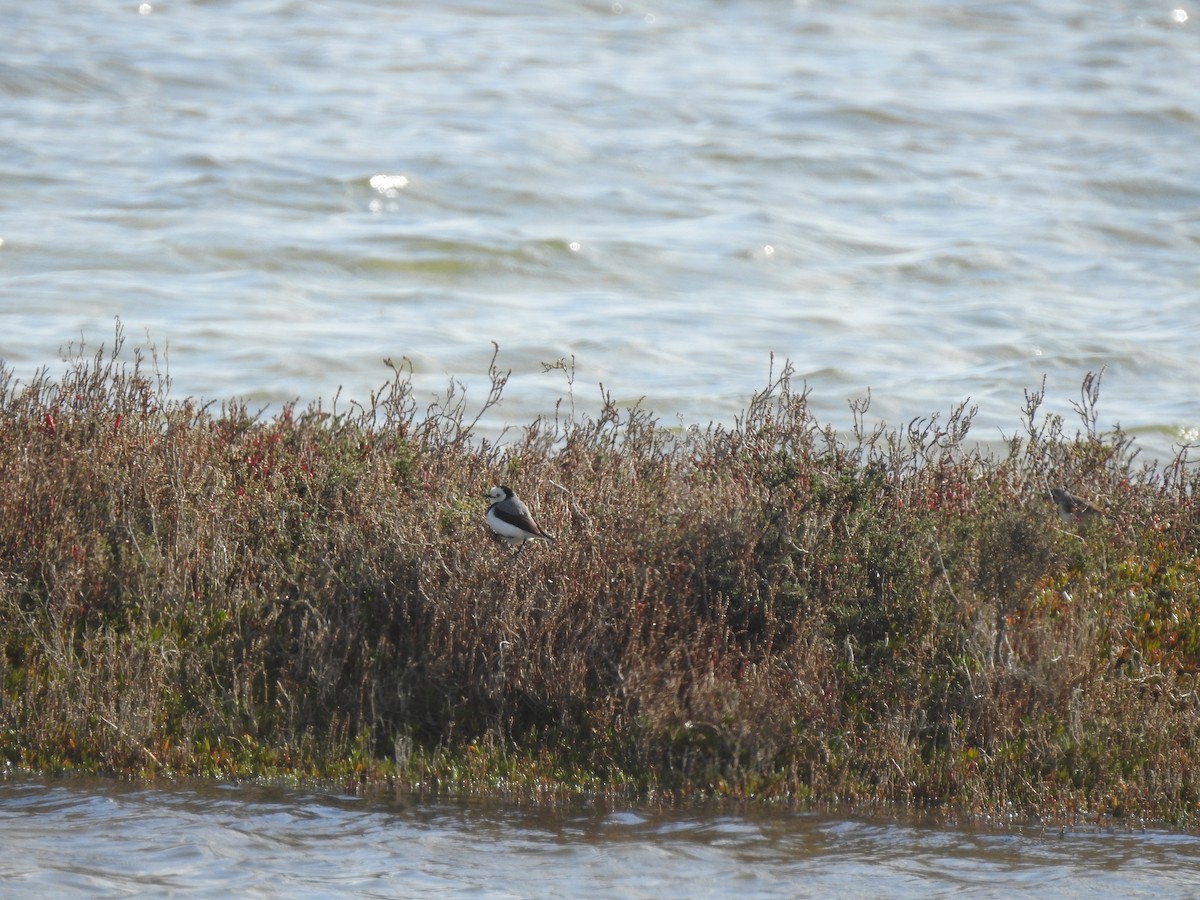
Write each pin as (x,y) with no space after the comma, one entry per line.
(759,610)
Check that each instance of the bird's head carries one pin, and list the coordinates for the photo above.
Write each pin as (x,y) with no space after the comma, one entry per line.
(499,493)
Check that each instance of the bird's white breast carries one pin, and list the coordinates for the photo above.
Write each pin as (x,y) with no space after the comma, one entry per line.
(505,529)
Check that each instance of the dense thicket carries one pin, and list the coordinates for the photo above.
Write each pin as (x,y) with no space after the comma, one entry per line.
(764,609)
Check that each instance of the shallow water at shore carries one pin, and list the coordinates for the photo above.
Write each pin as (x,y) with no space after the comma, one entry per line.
(927,203)
(101,838)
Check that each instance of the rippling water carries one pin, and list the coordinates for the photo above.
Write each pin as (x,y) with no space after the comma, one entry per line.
(100,839)
(929,201)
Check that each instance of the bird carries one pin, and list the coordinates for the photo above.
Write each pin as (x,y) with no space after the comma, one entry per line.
(510,520)
(1071,509)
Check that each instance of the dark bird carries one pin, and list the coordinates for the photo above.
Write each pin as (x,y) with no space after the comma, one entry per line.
(510,520)
(1071,509)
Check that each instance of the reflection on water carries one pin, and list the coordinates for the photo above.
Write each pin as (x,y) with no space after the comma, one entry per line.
(100,838)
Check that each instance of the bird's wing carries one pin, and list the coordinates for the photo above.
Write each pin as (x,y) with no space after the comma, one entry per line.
(517,514)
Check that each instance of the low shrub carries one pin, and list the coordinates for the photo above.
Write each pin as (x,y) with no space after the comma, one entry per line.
(765,609)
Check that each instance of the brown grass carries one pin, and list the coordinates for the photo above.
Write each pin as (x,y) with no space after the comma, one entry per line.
(760,610)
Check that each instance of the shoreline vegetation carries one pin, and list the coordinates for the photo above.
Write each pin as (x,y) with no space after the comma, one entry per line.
(764,611)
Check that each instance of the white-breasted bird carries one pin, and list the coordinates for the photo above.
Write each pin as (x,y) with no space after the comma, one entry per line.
(1071,509)
(509,518)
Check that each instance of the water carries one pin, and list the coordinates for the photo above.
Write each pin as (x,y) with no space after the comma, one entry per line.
(103,839)
(928,201)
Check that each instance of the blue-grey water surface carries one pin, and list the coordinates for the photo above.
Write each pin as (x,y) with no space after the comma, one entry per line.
(104,839)
(928,201)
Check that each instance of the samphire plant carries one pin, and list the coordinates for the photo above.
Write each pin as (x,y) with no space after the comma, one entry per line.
(763,609)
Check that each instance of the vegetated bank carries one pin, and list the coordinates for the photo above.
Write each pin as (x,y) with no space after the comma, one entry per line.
(764,610)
